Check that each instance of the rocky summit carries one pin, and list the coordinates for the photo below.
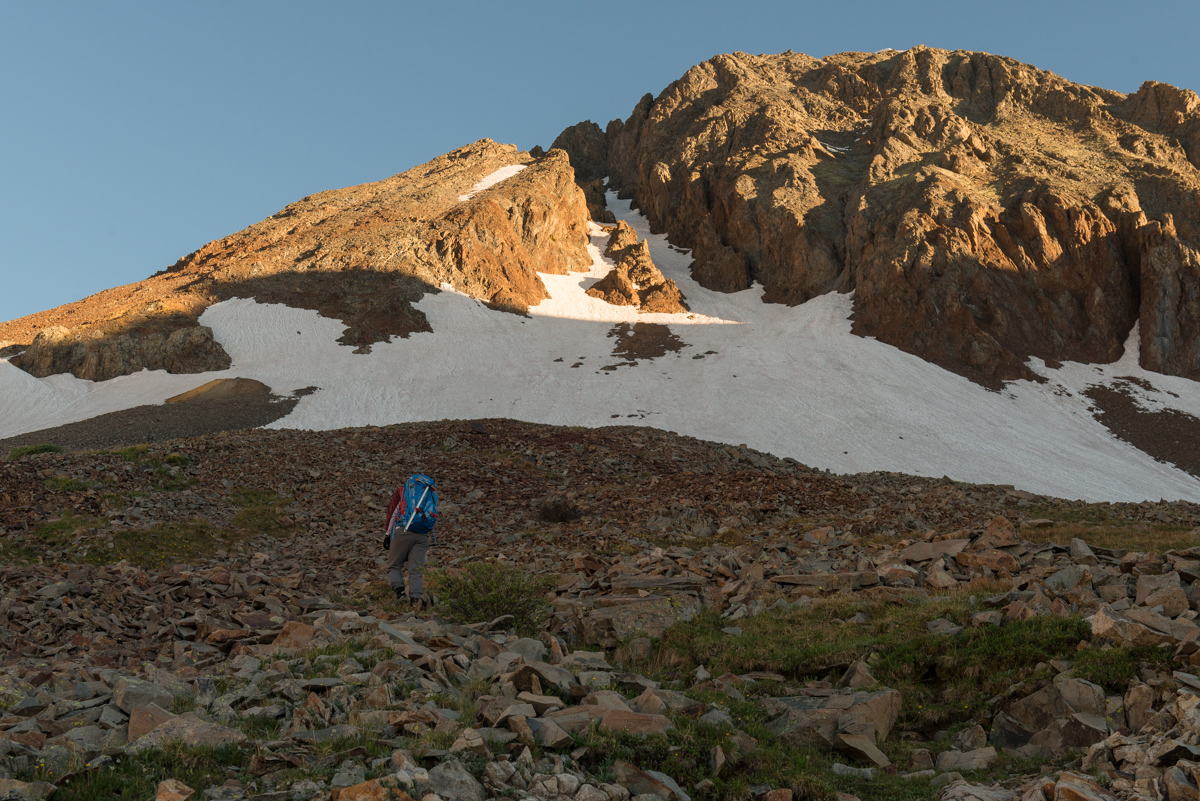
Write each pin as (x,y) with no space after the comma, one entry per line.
(194,606)
(982,211)
(361,255)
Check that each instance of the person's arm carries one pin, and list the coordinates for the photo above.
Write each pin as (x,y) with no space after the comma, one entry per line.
(397,496)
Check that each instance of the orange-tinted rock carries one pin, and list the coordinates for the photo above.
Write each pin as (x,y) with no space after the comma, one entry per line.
(989,558)
(173,790)
(371,790)
(294,635)
(362,254)
(145,719)
(957,194)
(619,720)
(635,280)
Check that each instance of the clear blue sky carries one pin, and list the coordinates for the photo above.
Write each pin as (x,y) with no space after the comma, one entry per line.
(131,133)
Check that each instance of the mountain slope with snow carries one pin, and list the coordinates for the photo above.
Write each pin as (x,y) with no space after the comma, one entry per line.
(793,381)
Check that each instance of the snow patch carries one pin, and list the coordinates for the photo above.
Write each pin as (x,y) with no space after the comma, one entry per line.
(789,380)
(492,179)
(834,148)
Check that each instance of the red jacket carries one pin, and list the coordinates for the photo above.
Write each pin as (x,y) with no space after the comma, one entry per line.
(394,509)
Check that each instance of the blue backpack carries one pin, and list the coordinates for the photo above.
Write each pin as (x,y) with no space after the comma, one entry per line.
(417,512)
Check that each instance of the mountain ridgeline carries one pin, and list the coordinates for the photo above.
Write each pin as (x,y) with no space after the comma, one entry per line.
(982,212)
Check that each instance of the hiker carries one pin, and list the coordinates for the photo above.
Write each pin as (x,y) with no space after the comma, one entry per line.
(411,517)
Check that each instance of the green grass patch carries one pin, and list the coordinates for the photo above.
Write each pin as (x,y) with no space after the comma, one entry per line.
(482,591)
(260,727)
(944,679)
(1099,525)
(1112,668)
(90,539)
(136,454)
(260,513)
(685,753)
(64,484)
(164,469)
(69,532)
(137,777)
(162,545)
(29,450)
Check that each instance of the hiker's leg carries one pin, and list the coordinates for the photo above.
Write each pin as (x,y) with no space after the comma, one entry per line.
(416,559)
(397,556)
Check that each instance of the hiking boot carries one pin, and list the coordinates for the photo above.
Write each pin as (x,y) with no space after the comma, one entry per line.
(400,596)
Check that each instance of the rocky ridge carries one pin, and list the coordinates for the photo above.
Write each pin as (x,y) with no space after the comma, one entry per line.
(362,255)
(982,211)
(96,651)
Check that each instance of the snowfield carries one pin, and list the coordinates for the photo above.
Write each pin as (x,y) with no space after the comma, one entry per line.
(492,179)
(791,381)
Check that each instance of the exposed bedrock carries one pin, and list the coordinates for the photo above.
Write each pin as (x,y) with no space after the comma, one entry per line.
(983,211)
(364,255)
(587,148)
(177,345)
(635,280)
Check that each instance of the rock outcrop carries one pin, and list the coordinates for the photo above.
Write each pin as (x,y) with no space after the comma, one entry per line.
(635,281)
(983,211)
(362,254)
(173,344)
(587,147)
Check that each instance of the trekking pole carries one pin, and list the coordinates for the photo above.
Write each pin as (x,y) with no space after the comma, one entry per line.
(416,508)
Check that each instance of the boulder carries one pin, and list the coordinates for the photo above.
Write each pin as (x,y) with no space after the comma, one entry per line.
(815,721)
(970,739)
(1076,787)
(1111,626)
(1139,701)
(34,791)
(924,551)
(130,692)
(191,729)
(627,722)
(609,626)
(862,749)
(471,741)
(453,782)
(1069,578)
(530,649)
(371,790)
(547,675)
(145,719)
(173,790)
(549,733)
(1070,713)
(955,760)
(963,791)
(645,782)
(294,636)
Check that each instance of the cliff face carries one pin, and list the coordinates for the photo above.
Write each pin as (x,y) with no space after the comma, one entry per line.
(362,254)
(982,211)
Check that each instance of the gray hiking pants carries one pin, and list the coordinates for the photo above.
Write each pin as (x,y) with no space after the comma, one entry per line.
(407,549)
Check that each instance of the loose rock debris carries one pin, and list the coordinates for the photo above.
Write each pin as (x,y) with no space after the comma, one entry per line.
(276,638)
